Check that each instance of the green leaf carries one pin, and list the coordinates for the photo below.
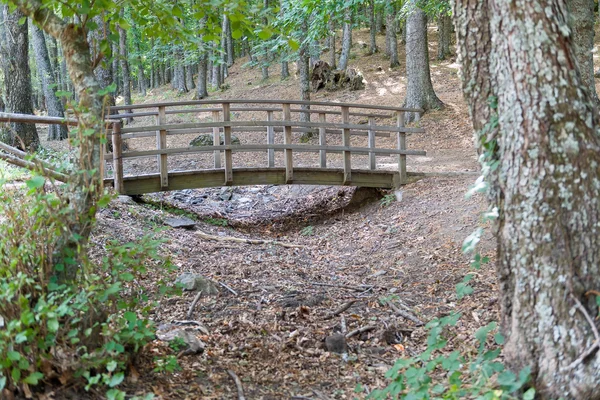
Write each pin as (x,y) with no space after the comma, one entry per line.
(111,365)
(265,33)
(13,355)
(16,374)
(33,378)
(36,182)
(177,11)
(499,338)
(294,45)
(115,394)
(53,325)
(236,34)
(2,382)
(21,338)
(481,334)
(528,395)
(116,379)
(22,20)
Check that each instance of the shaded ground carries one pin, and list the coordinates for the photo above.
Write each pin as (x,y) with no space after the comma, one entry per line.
(271,333)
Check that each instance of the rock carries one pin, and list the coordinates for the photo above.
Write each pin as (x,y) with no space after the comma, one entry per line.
(362,44)
(244,200)
(336,343)
(188,335)
(125,199)
(207,140)
(379,68)
(180,222)
(196,282)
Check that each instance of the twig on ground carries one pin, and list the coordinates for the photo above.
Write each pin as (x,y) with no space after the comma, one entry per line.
(191,309)
(228,288)
(360,330)
(343,325)
(320,395)
(238,384)
(341,309)
(404,314)
(595,346)
(246,241)
(360,288)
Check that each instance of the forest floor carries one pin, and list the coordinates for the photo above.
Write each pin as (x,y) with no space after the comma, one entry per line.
(271,332)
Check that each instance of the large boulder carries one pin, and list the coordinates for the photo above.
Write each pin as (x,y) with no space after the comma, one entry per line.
(207,140)
(196,282)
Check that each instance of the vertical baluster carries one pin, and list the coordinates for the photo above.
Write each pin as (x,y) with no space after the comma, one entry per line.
(161,144)
(346,143)
(322,141)
(372,162)
(227,142)
(401,146)
(270,140)
(117,158)
(287,139)
(216,140)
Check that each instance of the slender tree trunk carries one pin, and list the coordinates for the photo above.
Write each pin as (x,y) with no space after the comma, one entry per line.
(189,78)
(444,34)
(179,71)
(419,90)
(125,72)
(202,87)
(141,76)
(346,39)
(372,28)
(535,117)
(581,20)
(315,52)
(229,43)
(54,106)
(115,67)
(304,69)
(103,70)
(392,38)
(332,55)
(216,70)
(17,80)
(285,70)
(379,18)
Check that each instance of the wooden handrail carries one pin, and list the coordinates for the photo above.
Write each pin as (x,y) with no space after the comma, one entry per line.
(251,101)
(36,119)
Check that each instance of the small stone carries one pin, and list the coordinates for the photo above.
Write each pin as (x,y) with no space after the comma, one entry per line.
(194,345)
(244,200)
(196,282)
(125,199)
(180,222)
(207,140)
(336,343)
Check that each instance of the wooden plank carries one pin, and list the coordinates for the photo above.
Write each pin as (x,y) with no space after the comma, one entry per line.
(161,144)
(322,141)
(401,146)
(256,176)
(287,139)
(372,161)
(117,159)
(270,140)
(35,119)
(307,148)
(244,101)
(379,128)
(346,143)
(216,140)
(227,142)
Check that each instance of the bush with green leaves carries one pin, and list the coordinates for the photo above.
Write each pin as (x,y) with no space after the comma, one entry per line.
(435,374)
(84,331)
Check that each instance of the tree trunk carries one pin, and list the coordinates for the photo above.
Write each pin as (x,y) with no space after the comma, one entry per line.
(115,67)
(372,28)
(229,43)
(419,90)
(304,70)
(53,105)
(125,72)
(332,55)
(141,76)
(444,34)
(391,37)
(379,18)
(103,70)
(285,70)
(581,20)
(535,117)
(346,39)
(216,69)
(266,60)
(179,71)
(189,78)
(202,87)
(17,80)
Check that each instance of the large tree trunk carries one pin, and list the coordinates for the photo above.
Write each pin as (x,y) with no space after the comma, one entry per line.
(53,105)
(217,78)
(372,28)
(346,39)
(125,72)
(392,38)
(444,34)
(179,71)
(419,90)
(202,86)
(535,117)
(229,43)
(189,78)
(103,70)
(17,80)
(581,20)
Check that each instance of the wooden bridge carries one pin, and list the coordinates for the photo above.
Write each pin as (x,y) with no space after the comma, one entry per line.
(256,142)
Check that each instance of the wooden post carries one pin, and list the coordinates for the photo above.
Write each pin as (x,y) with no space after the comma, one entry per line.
(216,140)
(346,143)
(322,141)
(270,140)
(227,142)
(161,144)
(372,161)
(401,146)
(117,158)
(287,139)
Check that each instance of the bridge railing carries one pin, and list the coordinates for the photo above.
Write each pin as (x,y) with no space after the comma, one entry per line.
(334,119)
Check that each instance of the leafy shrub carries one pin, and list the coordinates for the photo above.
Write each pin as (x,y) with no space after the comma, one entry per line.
(387,200)
(83,331)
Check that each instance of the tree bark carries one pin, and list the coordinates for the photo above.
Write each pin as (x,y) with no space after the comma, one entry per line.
(444,35)
(391,37)
(346,39)
(115,67)
(332,55)
(581,20)
(17,80)
(372,28)
(179,71)
(229,43)
(125,72)
(202,87)
(53,105)
(189,78)
(419,89)
(535,117)
(217,79)
(103,70)
(304,70)
(141,75)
